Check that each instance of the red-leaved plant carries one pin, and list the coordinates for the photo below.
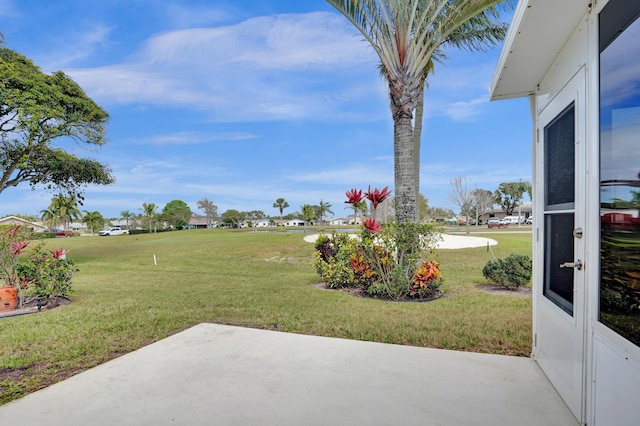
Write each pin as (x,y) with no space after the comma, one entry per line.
(371,225)
(354,197)
(377,196)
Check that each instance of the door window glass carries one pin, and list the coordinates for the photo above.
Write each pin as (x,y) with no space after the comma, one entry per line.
(559,203)
(559,153)
(620,168)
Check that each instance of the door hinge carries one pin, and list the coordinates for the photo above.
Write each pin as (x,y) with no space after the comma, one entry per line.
(535,340)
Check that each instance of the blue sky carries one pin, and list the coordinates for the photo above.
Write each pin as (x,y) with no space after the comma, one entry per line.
(247,101)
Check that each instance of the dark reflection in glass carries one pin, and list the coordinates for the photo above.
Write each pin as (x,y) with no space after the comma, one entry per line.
(620,170)
(558,282)
(559,160)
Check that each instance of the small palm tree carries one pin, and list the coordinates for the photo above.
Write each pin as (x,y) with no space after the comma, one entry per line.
(65,208)
(126,215)
(324,208)
(149,210)
(93,220)
(49,218)
(281,204)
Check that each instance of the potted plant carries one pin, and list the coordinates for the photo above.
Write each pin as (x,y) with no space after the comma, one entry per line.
(11,247)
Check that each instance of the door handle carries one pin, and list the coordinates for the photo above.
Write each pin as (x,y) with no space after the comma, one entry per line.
(577,264)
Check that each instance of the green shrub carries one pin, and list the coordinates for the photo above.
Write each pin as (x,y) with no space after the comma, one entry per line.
(42,235)
(335,273)
(511,272)
(333,260)
(46,273)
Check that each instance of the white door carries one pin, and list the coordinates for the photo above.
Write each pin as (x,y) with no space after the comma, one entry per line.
(559,304)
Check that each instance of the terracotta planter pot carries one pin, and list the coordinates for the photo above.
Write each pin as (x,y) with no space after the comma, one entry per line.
(8,299)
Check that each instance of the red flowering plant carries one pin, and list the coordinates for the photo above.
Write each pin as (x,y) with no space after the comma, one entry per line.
(377,196)
(385,261)
(29,271)
(47,273)
(354,197)
(426,281)
(371,225)
(12,247)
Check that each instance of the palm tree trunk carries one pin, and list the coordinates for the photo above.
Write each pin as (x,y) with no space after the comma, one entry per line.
(405,169)
(417,135)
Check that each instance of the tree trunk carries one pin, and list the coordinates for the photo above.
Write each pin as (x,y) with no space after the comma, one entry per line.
(406,179)
(417,135)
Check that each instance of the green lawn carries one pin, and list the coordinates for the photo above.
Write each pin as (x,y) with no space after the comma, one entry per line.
(122,301)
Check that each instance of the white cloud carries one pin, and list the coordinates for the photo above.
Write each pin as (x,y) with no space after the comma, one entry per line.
(266,68)
(192,138)
(352,175)
(77,45)
(467,110)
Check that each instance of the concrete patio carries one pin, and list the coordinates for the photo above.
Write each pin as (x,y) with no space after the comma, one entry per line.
(222,375)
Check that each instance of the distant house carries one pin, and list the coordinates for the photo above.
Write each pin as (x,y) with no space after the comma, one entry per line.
(13,220)
(339,221)
(525,210)
(263,223)
(198,222)
(294,222)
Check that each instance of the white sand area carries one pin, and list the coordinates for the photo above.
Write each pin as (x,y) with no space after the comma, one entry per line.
(447,242)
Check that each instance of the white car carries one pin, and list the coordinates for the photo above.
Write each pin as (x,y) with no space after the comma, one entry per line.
(113,231)
(512,220)
(494,222)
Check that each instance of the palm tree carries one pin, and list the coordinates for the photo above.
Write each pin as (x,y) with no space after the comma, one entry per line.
(210,210)
(361,207)
(281,204)
(407,36)
(324,208)
(93,220)
(65,208)
(149,210)
(126,215)
(50,218)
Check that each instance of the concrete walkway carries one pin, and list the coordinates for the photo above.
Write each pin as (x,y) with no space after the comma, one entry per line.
(222,375)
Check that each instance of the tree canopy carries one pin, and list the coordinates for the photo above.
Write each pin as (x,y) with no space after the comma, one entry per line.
(177,213)
(36,110)
(509,195)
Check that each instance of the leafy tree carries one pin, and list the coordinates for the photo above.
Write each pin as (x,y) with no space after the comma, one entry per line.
(281,204)
(233,217)
(434,213)
(406,35)
(149,212)
(309,213)
(93,220)
(210,210)
(65,208)
(177,213)
(461,196)
(253,216)
(483,200)
(38,109)
(323,209)
(509,195)
(423,207)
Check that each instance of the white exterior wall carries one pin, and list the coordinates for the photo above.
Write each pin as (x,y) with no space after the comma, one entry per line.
(610,363)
